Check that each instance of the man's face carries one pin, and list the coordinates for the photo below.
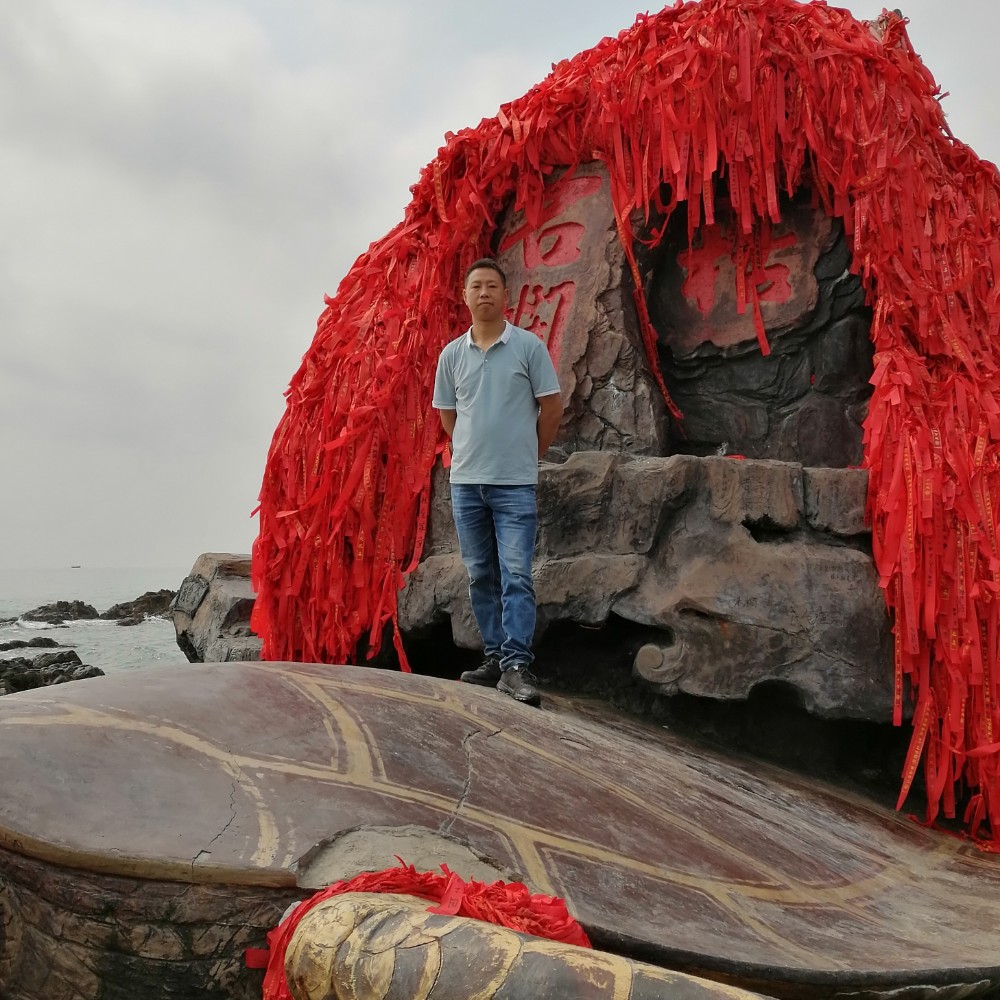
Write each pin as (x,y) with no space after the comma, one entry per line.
(485,295)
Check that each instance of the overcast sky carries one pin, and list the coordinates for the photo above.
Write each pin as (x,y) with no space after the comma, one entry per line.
(180,183)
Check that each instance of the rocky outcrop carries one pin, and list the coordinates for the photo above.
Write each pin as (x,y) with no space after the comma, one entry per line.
(721,577)
(211,611)
(709,575)
(19,673)
(805,399)
(39,642)
(154,603)
(567,284)
(60,612)
(725,575)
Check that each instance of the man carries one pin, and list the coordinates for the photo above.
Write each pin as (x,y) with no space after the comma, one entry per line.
(498,397)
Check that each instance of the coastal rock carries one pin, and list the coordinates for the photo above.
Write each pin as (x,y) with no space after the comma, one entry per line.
(60,612)
(707,575)
(19,673)
(211,611)
(711,577)
(154,603)
(39,642)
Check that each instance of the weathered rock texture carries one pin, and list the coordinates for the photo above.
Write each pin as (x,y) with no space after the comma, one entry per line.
(567,283)
(61,611)
(728,574)
(734,573)
(803,402)
(152,603)
(211,611)
(38,642)
(19,673)
(72,935)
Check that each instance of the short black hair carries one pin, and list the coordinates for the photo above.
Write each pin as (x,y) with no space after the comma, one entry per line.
(487,262)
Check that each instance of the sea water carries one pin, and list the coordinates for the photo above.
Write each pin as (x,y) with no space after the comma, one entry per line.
(103,644)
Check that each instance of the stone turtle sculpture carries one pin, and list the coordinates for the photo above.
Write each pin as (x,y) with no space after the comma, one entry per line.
(157,822)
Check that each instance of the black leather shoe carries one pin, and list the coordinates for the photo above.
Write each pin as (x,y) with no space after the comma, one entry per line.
(487,673)
(520,684)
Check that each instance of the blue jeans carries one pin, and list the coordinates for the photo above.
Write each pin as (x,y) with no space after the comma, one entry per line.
(496,528)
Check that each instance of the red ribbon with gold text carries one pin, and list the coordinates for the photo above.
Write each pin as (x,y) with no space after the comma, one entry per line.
(743,97)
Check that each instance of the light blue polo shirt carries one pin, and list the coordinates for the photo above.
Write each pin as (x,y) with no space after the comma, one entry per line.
(495,395)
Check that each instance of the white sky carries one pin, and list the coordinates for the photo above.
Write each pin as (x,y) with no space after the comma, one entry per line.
(180,183)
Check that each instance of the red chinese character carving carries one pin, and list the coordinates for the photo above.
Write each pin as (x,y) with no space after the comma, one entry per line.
(558,244)
(543,311)
(703,264)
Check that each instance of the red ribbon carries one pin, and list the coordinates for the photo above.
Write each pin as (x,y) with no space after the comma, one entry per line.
(508,904)
(759,98)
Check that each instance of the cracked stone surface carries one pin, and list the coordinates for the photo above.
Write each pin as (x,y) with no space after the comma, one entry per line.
(109,788)
(803,402)
(567,282)
(374,848)
(731,574)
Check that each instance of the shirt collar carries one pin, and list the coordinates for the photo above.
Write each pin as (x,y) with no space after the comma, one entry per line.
(504,337)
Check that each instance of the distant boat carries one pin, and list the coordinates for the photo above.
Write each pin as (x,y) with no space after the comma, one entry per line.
(74,567)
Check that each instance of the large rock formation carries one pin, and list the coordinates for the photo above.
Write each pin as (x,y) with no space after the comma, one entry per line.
(566,283)
(727,575)
(211,611)
(724,574)
(154,603)
(61,611)
(732,573)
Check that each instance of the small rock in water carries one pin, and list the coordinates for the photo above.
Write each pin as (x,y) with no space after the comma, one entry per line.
(60,612)
(152,603)
(39,642)
(21,674)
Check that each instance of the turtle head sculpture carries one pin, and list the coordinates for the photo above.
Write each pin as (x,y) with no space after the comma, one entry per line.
(764,270)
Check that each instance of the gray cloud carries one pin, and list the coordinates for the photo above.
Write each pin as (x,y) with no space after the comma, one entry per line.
(183,180)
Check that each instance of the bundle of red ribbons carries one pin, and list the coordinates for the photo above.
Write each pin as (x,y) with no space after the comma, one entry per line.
(508,904)
(744,98)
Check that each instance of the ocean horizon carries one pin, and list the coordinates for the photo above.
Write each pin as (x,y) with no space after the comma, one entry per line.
(103,644)
(22,590)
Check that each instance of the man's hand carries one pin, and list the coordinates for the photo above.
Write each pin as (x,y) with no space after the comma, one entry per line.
(550,410)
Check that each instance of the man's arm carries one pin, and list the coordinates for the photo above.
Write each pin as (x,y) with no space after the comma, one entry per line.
(550,410)
(448,418)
